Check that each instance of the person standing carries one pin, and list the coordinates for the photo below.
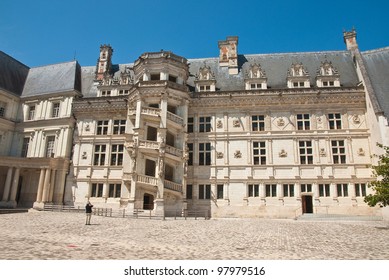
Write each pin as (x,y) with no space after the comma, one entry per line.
(88,211)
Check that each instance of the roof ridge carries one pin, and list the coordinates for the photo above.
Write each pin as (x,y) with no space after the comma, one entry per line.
(59,63)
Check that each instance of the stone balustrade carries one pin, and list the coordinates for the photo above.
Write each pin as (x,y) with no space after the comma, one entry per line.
(172,186)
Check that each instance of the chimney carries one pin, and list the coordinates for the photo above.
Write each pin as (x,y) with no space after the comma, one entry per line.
(350,39)
(104,62)
(229,54)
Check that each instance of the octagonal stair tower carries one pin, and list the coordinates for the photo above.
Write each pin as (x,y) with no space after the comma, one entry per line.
(157,112)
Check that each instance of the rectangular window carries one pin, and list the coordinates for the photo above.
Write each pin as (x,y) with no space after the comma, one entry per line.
(271,190)
(55,111)
(119,126)
(190,124)
(253,190)
(255,86)
(97,190)
(288,190)
(303,122)
(99,155)
(117,154)
(335,121)
(306,154)
(204,124)
(189,191)
(220,191)
(26,143)
(306,188)
(204,191)
(31,112)
(324,190)
(338,151)
(259,153)
(50,146)
(2,109)
(204,153)
(114,190)
(106,93)
(190,153)
(360,189)
(258,123)
(342,190)
(204,88)
(102,128)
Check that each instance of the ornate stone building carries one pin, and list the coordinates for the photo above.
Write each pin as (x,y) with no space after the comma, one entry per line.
(272,135)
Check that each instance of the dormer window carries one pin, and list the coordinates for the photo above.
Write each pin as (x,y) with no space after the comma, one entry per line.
(205,80)
(255,78)
(204,88)
(105,93)
(155,77)
(327,75)
(298,76)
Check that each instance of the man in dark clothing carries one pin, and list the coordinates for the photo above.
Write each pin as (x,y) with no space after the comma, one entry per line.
(88,211)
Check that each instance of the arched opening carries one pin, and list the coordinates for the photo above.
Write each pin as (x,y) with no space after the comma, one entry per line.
(148,201)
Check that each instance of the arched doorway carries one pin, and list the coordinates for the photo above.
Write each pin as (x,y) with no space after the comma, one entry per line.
(148,201)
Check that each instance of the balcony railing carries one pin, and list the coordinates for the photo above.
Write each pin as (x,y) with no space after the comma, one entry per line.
(151,111)
(152,181)
(147,144)
(175,118)
(172,186)
(147,180)
(173,151)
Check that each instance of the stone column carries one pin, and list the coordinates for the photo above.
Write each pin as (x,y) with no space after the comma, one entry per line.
(52,186)
(262,193)
(14,189)
(7,185)
(315,189)
(46,185)
(37,203)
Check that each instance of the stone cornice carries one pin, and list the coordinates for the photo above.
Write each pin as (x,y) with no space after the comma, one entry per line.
(99,104)
(279,97)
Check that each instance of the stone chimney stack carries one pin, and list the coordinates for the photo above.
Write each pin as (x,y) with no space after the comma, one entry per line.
(350,39)
(229,54)
(104,62)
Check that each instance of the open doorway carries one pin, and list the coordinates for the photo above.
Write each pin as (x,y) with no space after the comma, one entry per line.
(148,201)
(307,204)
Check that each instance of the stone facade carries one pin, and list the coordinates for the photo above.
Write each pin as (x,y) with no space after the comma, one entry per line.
(236,136)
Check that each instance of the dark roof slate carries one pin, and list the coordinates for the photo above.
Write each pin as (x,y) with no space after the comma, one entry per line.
(54,78)
(13,74)
(377,67)
(276,67)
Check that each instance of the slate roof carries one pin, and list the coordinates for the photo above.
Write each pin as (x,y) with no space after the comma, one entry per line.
(54,78)
(377,67)
(13,74)
(276,67)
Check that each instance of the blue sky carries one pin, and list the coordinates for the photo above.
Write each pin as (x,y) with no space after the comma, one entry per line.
(42,32)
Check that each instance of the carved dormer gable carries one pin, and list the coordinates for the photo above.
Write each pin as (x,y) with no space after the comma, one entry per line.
(326,69)
(255,77)
(125,77)
(255,71)
(298,76)
(297,70)
(205,73)
(205,79)
(327,75)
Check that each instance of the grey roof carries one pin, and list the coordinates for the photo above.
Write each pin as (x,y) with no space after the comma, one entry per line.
(13,74)
(55,78)
(377,66)
(89,87)
(276,67)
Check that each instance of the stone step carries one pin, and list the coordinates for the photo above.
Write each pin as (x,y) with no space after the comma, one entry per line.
(339,217)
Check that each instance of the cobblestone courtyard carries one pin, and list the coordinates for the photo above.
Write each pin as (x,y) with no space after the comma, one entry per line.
(64,236)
